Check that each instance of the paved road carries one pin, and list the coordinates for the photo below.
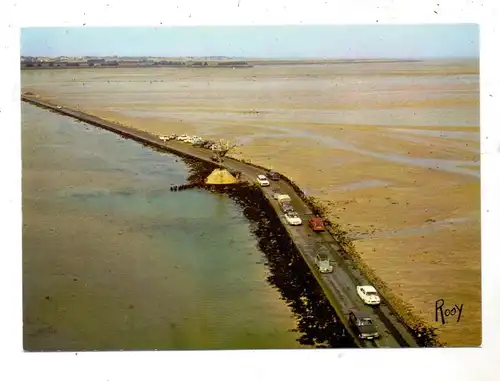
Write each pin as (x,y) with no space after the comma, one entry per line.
(339,286)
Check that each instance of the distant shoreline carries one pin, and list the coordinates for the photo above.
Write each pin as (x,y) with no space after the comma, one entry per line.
(209,64)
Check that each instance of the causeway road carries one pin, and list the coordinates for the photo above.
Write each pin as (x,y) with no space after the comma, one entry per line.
(338,286)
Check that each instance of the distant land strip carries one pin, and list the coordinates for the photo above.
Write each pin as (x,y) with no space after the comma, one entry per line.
(35,63)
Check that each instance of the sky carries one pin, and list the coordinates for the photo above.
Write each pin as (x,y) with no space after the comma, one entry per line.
(301,41)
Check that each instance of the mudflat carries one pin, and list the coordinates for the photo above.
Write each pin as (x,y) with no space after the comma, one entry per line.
(391,150)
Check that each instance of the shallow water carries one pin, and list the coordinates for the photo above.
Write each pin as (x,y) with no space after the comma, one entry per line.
(112,260)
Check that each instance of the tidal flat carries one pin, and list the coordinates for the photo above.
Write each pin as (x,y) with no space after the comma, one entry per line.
(407,131)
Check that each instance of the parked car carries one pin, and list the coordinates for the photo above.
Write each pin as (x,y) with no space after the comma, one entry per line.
(293,218)
(316,224)
(322,261)
(198,143)
(273,175)
(195,140)
(263,181)
(368,295)
(362,324)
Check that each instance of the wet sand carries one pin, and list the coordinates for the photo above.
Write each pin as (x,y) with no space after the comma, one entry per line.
(391,150)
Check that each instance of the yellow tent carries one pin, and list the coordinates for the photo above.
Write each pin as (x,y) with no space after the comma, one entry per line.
(220,176)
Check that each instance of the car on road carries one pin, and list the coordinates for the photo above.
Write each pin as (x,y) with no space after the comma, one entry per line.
(195,140)
(287,207)
(362,324)
(198,143)
(275,176)
(285,203)
(207,144)
(263,181)
(293,219)
(316,224)
(368,295)
(322,261)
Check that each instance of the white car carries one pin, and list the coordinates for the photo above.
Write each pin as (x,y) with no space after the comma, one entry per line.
(368,295)
(182,138)
(293,218)
(263,181)
(322,261)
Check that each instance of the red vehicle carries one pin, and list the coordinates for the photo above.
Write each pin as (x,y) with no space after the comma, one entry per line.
(316,224)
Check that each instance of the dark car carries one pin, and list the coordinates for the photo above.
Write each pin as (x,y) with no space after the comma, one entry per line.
(316,224)
(273,175)
(287,207)
(362,324)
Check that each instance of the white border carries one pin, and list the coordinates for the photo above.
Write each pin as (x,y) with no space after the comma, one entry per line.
(444,364)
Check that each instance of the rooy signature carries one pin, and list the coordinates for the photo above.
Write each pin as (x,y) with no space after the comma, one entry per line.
(447,312)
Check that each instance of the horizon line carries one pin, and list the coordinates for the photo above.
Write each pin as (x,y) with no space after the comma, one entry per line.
(257,57)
